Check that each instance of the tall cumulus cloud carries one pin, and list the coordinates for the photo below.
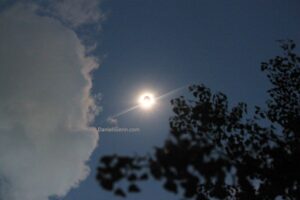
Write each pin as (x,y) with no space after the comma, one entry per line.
(45,107)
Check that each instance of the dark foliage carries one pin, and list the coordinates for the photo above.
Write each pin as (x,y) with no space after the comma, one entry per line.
(214,150)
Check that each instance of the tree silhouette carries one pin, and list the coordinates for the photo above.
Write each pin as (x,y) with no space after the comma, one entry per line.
(217,151)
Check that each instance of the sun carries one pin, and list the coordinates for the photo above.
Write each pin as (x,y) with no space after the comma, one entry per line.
(146,100)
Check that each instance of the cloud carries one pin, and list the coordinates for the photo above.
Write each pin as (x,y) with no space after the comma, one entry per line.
(45,106)
(112,122)
(76,12)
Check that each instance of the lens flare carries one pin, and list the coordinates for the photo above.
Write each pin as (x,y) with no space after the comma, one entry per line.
(146,100)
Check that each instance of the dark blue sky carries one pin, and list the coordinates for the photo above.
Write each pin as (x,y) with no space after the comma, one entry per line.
(162,45)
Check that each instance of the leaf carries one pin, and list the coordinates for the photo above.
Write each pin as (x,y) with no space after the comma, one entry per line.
(155,170)
(107,184)
(171,186)
(293,46)
(133,188)
(132,177)
(120,192)
(144,176)
(107,159)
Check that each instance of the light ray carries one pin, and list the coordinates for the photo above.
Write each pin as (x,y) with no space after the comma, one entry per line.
(138,106)
(125,111)
(171,92)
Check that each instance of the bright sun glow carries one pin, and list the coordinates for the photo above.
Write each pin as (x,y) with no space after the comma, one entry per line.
(146,100)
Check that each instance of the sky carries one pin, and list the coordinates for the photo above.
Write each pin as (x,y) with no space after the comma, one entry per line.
(66,66)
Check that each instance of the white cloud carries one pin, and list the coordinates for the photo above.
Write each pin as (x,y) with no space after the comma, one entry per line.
(77,12)
(112,122)
(45,107)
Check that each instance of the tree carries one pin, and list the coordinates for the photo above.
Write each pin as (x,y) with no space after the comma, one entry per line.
(217,151)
